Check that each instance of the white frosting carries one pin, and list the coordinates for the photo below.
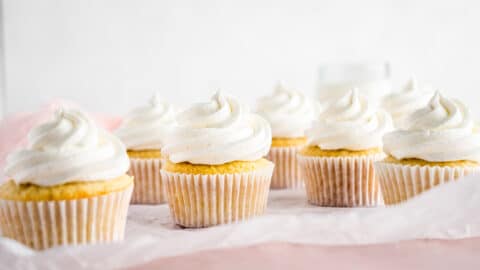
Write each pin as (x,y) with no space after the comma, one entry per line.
(441,131)
(289,113)
(69,148)
(349,122)
(217,132)
(147,127)
(401,104)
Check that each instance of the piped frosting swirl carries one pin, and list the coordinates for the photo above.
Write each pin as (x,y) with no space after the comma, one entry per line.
(146,127)
(401,104)
(217,132)
(68,148)
(289,112)
(441,131)
(350,123)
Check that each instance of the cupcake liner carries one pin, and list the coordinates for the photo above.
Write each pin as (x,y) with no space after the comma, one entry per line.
(197,200)
(149,185)
(287,173)
(341,181)
(45,224)
(401,182)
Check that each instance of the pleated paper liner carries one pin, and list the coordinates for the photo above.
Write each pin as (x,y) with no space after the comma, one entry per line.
(400,182)
(197,201)
(45,224)
(287,173)
(150,187)
(341,181)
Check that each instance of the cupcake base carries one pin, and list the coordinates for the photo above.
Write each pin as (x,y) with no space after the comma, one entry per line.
(45,224)
(400,182)
(341,181)
(197,200)
(150,187)
(287,172)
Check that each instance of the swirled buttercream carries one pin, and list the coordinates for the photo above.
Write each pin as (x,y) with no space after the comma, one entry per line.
(401,104)
(147,127)
(289,113)
(441,131)
(217,132)
(68,148)
(349,122)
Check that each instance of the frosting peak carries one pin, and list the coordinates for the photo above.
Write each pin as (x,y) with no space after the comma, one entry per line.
(146,127)
(349,122)
(216,132)
(401,104)
(289,112)
(68,148)
(440,114)
(443,130)
(219,112)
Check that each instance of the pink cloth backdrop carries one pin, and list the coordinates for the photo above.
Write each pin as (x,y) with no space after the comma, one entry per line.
(420,254)
(460,254)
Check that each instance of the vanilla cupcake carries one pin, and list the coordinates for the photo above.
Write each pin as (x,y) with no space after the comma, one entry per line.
(143,132)
(342,146)
(215,170)
(439,144)
(289,113)
(69,186)
(403,103)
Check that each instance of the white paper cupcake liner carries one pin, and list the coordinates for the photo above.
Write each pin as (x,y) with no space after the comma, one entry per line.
(341,181)
(287,173)
(197,201)
(149,185)
(45,224)
(401,182)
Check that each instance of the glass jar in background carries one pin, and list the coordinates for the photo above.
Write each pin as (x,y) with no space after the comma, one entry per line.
(371,79)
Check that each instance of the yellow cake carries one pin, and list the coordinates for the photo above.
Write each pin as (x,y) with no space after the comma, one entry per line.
(230,167)
(145,154)
(421,162)
(288,142)
(315,151)
(73,190)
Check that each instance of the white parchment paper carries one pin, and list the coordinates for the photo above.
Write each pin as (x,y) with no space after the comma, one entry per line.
(447,212)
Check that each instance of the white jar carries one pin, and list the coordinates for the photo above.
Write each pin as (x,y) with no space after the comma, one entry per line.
(372,80)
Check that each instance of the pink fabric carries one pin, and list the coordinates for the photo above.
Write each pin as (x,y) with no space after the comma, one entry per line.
(14,129)
(419,254)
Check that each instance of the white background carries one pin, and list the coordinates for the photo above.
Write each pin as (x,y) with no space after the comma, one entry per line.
(111,55)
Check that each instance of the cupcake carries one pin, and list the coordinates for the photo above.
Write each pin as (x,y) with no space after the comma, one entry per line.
(403,103)
(289,113)
(143,132)
(439,144)
(214,168)
(69,186)
(342,146)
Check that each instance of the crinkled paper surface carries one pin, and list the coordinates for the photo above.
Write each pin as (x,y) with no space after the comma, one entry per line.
(447,212)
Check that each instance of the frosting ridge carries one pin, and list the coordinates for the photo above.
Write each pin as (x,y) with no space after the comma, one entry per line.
(146,127)
(68,148)
(349,122)
(441,131)
(216,132)
(289,112)
(401,104)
